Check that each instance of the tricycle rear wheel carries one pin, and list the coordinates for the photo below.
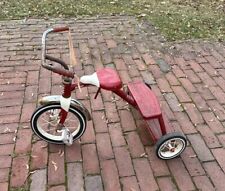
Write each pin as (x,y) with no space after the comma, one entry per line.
(170,145)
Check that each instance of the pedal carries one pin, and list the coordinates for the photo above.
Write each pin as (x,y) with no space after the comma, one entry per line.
(67,137)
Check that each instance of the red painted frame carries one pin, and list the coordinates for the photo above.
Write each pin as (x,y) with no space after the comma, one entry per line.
(69,87)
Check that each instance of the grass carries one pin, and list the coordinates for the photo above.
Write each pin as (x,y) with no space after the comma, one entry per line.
(176,19)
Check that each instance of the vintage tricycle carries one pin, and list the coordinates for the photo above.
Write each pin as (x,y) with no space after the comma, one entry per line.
(62,120)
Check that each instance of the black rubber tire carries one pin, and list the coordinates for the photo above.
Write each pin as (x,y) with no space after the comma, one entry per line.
(39,111)
(170,136)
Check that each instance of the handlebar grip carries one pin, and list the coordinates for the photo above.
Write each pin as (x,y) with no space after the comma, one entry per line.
(63,72)
(60,29)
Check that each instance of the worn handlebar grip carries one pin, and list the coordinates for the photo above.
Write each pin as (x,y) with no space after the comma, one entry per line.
(60,29)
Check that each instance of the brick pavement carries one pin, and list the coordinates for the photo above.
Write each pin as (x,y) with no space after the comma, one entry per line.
(114,154)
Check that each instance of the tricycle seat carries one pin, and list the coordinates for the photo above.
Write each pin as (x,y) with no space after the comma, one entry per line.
(105,78)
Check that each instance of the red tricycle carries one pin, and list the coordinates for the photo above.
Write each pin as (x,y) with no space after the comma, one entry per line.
(62,120)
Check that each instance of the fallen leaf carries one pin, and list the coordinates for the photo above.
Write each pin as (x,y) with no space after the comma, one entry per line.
(55,165)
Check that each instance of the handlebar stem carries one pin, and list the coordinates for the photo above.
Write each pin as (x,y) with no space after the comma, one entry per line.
(44,45)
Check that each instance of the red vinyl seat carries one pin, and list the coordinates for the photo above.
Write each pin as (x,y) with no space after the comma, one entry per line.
(109,79)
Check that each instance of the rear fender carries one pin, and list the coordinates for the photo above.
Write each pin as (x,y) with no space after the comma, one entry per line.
(73,103)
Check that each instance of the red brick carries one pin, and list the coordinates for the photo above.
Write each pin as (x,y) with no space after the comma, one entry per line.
(90,159)
(195,66)
(13,81)
(6,149)
(143,170)
(221,138)
(30,94)
(10,110)
(193,113)
(56,170)
(32,77)
(93,183)
(111,112)
(209,69)
(199,102)
(173,102)
(10,95)
(218,93)
(4,186)
(19,171)
(155,70)
(123,162)
(203,183)
(129,183)
(166,109)
(4,174)
(192,76)
(27,111)
(96,104)
(23,141)
(187,85)
(192,163)
(104,146)
(99,120)
(120,64)
(220,82)
(148,59)
(13,74)
(216,174)
(127,120)
(11,102)
(180,174)
(110,176)
(57,188)
(142,130)
(92,43)
(5,161)
(135,146)
(124,76)
(89,134)
(171,78)
(38,180)
(219,156)
(140,64)
(213,122)
(73,152)
(181,94)
(163,85)
(83,94)
(204,92)
(166,183)
(206,79)
(44,85)
(75,175)
(185,123)
(208,136)
(159,167)
(55,148)
(9,119)
(178,72)
(213,62)
(12,87)
(116,135)
(181,63)
(200,147)
(39,155)
(6,138)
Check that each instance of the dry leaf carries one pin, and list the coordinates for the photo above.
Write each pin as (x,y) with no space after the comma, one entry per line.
(143,155)
(6,130)
(55,165)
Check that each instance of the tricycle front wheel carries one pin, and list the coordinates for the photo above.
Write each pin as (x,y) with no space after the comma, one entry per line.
(170,145)
(45,120)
